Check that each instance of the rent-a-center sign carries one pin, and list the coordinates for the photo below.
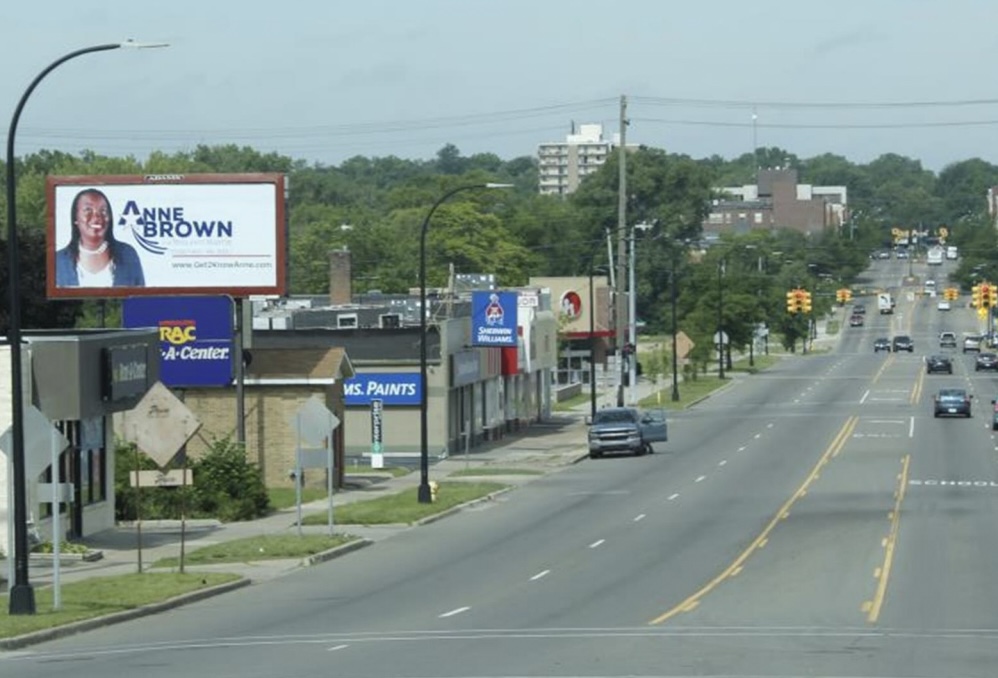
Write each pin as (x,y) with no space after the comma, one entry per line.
(117,236)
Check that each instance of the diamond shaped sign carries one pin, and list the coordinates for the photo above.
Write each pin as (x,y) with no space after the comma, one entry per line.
(38,432)
(314,422)
(160,424)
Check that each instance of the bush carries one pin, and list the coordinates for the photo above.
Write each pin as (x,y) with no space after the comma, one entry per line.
(226,487)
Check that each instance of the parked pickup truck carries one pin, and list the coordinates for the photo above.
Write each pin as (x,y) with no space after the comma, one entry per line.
(626,429)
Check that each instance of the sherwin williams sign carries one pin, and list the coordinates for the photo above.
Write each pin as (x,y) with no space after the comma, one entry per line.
(493,318)
(195,335)
(392,388)
(165,234)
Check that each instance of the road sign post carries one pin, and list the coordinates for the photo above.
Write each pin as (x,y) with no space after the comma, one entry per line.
(377,433)
(314,424)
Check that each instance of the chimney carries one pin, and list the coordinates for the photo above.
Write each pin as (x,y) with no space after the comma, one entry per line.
(340,289)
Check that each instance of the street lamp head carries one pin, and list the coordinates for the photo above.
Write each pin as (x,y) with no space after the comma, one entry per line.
(495,185)
(134,44)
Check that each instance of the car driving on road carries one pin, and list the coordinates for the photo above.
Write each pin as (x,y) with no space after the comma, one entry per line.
(938,363)
(947,340)
(986,361)
(971,343)
(951,402)
(882,344)
(903,342)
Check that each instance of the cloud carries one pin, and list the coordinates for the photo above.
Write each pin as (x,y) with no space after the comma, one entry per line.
(844,41)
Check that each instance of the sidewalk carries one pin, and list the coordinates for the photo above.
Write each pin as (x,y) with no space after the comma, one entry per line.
(546,447)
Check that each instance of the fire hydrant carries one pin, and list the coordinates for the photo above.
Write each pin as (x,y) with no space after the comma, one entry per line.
(434,490)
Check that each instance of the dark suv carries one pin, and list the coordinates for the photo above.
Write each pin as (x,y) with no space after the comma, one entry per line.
(882,344)
(903,342)
(938,363)
(986,361)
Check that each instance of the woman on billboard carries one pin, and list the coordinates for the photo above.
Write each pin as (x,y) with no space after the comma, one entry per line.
(93,258)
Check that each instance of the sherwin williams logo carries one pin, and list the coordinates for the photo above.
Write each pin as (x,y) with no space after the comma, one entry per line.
(158,229)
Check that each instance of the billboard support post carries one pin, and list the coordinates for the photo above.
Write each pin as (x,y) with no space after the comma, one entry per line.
(240,377)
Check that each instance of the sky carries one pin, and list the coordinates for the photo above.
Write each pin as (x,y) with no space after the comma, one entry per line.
(326,80)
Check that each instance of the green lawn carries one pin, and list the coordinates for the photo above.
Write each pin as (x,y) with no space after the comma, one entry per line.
(403,507)
(263,547)
(495,471)
(571,403)
(105,595)
(284,497)
(761,363)
(689,391)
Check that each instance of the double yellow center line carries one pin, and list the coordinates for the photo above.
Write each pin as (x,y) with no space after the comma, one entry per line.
(838,442)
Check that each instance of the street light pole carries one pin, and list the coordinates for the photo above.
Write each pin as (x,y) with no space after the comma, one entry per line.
(22,595)
(675,331)
(592,343)
(424,495)
(720,319)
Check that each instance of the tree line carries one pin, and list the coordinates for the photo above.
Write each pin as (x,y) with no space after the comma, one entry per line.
(374,206)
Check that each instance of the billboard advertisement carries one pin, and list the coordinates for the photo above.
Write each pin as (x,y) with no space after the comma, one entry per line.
(392,388)
(493,318)
(118,236)
(195,336)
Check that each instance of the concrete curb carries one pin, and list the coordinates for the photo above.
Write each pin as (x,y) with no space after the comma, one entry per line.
(460,507)
(44,635)
(336,552)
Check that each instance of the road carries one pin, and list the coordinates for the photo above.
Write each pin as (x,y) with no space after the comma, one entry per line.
(813,520)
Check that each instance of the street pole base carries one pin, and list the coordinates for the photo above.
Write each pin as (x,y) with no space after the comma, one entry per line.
(675,396)
(424,494)
(22,599)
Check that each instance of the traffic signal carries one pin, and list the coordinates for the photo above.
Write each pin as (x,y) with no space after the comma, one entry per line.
(806,302)
(975,296)
(950,294)
(992,296)
(984,293)
(792,302)
(840,296)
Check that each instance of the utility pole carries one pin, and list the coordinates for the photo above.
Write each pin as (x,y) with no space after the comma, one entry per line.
(632,325)
(621,309)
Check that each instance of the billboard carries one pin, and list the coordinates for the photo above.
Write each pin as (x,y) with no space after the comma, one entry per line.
(392,388)
(195,337)
(117,236)
(493,318)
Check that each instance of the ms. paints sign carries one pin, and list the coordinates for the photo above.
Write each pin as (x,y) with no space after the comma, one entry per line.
(493,318)
(392,388)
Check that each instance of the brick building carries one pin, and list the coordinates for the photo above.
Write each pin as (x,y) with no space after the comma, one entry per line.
(777,201)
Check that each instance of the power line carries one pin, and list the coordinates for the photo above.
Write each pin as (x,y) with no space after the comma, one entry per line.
(836,105)
(825,126)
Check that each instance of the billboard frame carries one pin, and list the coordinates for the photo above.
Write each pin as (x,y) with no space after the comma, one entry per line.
(277,180)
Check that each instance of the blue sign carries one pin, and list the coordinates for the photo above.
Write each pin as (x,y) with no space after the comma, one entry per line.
(392,388)
(493,318)
(195,335)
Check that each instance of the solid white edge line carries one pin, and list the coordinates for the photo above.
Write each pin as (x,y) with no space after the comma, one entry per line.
(457,610)
(338,647)
(640,516)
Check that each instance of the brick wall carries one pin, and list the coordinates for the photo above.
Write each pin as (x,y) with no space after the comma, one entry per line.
(270,438)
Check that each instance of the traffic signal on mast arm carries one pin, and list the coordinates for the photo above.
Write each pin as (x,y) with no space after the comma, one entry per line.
(805,306)
(975,296)
(984,292)
(992,296)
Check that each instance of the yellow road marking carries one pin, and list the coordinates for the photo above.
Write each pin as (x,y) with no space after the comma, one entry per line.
(880,372)
(916,392)
(885,572)
(692,601)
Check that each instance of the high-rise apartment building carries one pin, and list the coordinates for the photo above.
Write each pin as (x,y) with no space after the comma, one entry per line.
(563,165)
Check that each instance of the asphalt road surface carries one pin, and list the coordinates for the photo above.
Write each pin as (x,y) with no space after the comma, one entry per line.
(814,520)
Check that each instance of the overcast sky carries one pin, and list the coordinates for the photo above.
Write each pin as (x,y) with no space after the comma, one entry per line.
(324,80)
